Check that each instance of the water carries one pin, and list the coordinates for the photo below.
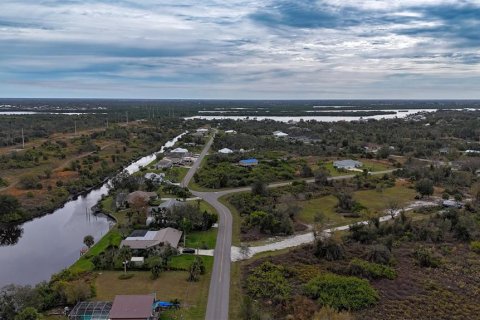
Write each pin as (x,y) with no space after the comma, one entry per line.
(53,242)
(398,114)
(13,113)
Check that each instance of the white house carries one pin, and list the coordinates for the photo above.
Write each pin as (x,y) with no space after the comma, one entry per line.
(179,150)
(155,177)
(225,151)
(280,134)
(347,164)
(230,132)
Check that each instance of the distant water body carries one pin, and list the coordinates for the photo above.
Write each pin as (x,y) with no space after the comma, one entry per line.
(13,113)
(398,114)
(53,242)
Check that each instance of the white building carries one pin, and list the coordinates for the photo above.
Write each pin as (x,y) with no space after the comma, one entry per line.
(225,151)
(280,134)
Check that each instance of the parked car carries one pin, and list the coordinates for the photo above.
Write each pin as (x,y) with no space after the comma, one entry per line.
(188,250)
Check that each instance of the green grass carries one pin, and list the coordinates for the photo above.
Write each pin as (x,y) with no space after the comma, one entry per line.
(185,260)
(84,264)
(375,202)
(170,285)
(198,239)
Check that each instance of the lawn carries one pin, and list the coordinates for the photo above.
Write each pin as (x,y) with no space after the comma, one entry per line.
(202,239)
(375,202)
(84,264)
(170,285)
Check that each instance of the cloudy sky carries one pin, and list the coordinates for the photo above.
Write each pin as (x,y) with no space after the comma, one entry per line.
(240,49)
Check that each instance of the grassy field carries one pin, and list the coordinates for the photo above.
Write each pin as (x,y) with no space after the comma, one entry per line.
(170,285)
(375,202)
(202,239)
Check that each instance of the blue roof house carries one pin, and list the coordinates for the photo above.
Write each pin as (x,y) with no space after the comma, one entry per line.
(248,162)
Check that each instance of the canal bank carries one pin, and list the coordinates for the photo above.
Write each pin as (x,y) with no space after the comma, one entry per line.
(53,242)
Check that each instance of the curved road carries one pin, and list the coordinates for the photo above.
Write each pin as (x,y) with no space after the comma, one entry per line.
(219,292)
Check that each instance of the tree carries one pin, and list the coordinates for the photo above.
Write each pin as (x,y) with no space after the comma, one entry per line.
(125,254)
(140,206)
(306,171)
(393,207)
(259,188)
(321,177)
(28,313)
(8,205)
(329,248)
(424,187)
(196,269)
(88,241)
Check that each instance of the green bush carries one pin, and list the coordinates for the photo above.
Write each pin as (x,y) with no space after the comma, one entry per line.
(126,276)
(268,281)
(475,246)
(425,258)
(341,292)
(365,269)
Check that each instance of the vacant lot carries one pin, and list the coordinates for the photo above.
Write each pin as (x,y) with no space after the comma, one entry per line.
(170,285)
(376,202)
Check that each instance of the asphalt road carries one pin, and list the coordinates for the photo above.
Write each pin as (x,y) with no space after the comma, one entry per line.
(219,292)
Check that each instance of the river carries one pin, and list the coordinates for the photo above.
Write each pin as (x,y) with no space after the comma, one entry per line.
(318,117)
(50,243)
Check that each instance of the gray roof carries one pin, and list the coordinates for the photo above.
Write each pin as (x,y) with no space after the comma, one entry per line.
(154,238)
(347,164)
(171,203)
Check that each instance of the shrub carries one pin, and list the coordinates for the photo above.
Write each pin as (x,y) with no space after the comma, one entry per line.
(425,258)
(126,276)
(341,292)
(379,254)
(365,269)
(329,249)
(268,281)
(475,246)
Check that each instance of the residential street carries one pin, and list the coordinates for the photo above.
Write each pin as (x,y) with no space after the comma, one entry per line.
(219,291)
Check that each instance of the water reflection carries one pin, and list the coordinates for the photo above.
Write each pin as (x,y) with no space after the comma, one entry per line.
(9,234)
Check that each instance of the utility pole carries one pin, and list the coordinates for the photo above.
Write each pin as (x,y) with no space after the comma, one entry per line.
(23,140)
(75,123)
(107,124)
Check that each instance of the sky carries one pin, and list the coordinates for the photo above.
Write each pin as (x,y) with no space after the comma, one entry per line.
(240,49)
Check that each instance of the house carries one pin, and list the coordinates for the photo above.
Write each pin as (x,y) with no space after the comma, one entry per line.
(170,203)
(280,134)
(202,130)
(144,239)
(145,196)
(225,151)
(347,164)
(470,151)
(132,307)
(179,150)
(155,177)
(248,162)
(452,204)
(164,164)
(230,132)
(444,150)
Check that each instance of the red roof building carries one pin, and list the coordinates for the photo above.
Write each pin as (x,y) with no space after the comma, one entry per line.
(132,307)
